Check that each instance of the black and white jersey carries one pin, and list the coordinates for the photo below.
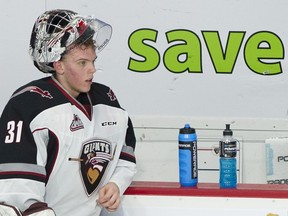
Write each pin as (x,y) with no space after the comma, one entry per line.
(61,150)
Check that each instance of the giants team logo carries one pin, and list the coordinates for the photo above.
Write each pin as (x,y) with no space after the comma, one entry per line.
(96,155)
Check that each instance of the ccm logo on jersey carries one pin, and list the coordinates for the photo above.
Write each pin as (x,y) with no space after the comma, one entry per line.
(109,123)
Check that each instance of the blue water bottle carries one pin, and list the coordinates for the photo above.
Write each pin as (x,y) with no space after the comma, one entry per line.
(228,166)
(188,162)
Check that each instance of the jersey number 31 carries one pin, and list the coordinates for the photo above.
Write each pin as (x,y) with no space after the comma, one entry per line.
(14,132)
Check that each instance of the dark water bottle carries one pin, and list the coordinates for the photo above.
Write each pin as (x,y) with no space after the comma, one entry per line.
(188,162)
(228,165)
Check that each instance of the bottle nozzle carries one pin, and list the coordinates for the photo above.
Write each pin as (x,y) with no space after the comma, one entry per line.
(187,129)
(227,131)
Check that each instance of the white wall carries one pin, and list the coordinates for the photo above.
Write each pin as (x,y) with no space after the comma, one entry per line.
(177,205)
(243,93)
(157,146)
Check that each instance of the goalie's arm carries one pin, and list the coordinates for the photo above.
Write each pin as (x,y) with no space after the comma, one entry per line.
(22,160)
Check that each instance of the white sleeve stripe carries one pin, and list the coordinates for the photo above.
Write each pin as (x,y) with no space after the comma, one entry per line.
(21,167)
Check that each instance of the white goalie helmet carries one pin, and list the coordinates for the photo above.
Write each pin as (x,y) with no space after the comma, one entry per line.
(55,30)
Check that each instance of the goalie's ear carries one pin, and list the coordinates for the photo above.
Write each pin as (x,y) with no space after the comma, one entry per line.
(58,66)
(9,210)
(39,209)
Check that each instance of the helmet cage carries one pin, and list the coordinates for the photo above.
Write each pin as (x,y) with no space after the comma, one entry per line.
(56,30)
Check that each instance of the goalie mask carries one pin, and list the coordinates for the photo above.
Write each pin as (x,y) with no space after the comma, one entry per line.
(55,30)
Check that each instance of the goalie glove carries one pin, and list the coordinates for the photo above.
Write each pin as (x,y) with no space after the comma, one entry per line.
(39,209)
(9,210)
(36,209)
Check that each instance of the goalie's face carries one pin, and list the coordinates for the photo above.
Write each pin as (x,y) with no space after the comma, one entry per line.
(76,69)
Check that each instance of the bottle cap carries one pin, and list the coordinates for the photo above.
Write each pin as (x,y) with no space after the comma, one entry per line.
(227,131)
(187,129)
